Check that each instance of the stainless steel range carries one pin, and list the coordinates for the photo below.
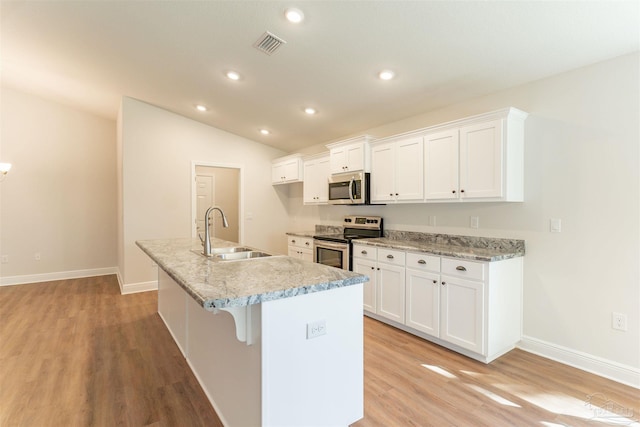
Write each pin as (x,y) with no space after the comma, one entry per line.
(335,250)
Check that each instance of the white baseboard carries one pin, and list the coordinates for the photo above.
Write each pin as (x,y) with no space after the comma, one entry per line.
(59,275)
(596,365)
(132,288)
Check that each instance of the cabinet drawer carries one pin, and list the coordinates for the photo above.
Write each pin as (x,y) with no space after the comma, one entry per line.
(391,256)
(423,262)
(462,268)
(300,242)
(363,251)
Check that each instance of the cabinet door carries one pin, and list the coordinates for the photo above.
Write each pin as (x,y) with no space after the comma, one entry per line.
(462,313)
(481,160)
(291,170)
(423,301)
(441,165)
(368,268)
(293,252)
(306,255)
(391,292)
(409,165)
(355,157)
(315,189)
(277,173)
(338,160)
(383,173)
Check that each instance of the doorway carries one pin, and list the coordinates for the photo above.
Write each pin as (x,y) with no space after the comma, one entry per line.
(217,185)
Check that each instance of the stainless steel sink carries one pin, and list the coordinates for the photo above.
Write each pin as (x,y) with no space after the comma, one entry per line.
(230,250)
(234,256)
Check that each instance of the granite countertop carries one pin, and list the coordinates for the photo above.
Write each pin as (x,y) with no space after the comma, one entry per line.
(302,233)
(487,253)
(218,284)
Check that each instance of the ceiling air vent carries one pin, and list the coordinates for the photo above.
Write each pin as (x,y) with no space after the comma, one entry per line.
(268,43)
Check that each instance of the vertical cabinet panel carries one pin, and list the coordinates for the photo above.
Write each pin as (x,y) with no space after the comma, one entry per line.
(481,160)
(409,167)
(383,167)
(423,301)
(368,268)
(462,309)
(441,165)
(315,189)
(391,292)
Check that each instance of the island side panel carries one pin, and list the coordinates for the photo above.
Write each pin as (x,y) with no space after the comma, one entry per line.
(317,381)
(228,370)
(172,308)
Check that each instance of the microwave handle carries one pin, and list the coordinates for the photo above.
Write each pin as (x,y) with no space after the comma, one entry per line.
(351,189)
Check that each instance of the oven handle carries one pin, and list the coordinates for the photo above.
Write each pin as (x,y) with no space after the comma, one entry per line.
(340,246)
(351,182)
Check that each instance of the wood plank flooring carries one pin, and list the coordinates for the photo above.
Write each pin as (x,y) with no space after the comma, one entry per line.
(77,353)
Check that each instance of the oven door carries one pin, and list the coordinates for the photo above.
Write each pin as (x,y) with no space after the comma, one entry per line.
(331,253)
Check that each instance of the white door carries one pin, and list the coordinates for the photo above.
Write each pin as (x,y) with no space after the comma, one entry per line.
(383,173)
(441,165)
(409,164)
(462,313)
(367,268)
(205,197)
(390,293)
(423,301)
(481,160)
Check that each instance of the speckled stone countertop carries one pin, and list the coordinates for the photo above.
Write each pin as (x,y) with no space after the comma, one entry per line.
(465,247)
(218,284)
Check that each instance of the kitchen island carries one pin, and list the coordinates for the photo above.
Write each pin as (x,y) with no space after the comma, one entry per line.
(274,341)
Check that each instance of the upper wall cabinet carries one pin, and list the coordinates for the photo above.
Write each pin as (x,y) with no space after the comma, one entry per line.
(398,166)
(316,180)
(350,155)
(478,159)
(288,169)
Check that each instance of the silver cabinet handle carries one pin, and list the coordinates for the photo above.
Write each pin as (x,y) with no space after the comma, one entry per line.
(422,262)
(461,268)
(363,252)
(390,256)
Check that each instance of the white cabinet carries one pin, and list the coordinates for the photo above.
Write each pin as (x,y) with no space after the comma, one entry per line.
(472,307)
(300,247)
(423,293)
(462,304)
(478,159)
(441,165)
(316,180)
(396,170)
(285,170)
(364,262)
(384,293)
(350,155)
(390,285)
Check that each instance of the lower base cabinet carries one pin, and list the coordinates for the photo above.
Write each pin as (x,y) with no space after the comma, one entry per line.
(474,308)
(300,247)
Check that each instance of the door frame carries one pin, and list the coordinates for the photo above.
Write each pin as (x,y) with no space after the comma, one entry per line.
(240,168)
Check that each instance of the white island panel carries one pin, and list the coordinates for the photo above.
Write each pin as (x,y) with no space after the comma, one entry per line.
(316,381)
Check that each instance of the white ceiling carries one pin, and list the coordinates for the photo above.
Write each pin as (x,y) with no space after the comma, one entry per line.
(174,54)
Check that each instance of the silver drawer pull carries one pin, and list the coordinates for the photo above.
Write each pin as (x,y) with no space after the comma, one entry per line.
(390,256)
(363,252)
(461,268)
(422,262)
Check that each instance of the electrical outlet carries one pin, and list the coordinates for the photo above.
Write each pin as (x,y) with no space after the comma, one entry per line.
(432,220)
(475,222)
(315,329)
(619,321)
(36,256)
(5,259)
(555,225)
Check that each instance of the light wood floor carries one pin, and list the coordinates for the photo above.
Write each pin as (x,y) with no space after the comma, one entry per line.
(77,353)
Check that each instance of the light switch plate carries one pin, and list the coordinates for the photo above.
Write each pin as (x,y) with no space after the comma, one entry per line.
(555,225)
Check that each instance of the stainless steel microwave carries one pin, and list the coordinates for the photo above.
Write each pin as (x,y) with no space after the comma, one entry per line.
(349,189)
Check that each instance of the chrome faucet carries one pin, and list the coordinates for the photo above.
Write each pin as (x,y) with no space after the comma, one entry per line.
(206,243)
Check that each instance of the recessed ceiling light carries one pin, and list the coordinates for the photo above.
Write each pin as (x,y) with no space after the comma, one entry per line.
(233,75)
(310,111)
(294,15)
(264,131)
(386,75)
(201,108)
